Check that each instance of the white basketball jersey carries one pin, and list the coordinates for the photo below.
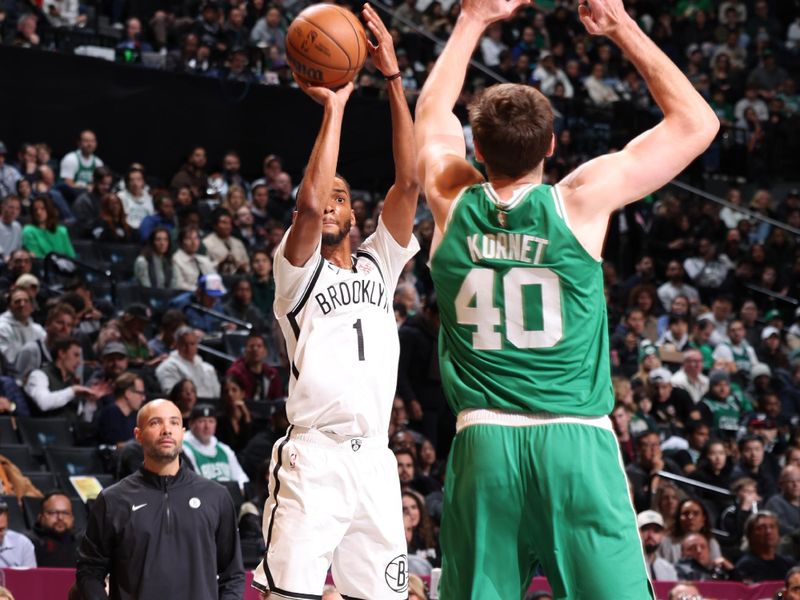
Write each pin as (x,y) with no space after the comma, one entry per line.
(341,336)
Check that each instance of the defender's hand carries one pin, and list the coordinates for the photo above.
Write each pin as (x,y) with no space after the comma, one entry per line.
(382,53)
(489,11)
(602,17)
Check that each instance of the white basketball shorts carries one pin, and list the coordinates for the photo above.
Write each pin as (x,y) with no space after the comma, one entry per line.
(334,501)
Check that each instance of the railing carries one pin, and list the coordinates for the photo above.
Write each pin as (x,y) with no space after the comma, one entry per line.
(216,353)
(218,315)
(54,260)
(746,211)
(432,38)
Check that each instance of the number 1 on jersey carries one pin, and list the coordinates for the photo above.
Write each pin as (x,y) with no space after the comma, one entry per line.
(360,334)
(485,316)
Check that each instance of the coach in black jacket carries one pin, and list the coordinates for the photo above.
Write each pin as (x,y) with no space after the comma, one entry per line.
(163,532)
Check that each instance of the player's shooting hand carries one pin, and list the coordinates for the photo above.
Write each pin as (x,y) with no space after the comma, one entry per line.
(382,52)
(324,96)
(602,17)
(489,11)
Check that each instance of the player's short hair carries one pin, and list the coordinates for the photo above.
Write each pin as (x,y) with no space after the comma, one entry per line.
(512,126)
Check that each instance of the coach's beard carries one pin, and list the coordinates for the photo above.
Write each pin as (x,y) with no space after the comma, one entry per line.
(334,239)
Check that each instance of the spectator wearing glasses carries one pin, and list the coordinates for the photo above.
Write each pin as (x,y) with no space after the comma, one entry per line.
(116,422)
(16,550)
(19,263)
(54,537)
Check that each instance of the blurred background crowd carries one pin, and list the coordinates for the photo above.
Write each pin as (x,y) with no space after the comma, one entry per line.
(123,286)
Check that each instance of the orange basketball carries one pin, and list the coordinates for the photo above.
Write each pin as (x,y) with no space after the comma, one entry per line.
(326,45)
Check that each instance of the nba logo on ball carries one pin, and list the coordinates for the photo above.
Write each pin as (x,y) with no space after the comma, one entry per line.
(326,45)
(397,574)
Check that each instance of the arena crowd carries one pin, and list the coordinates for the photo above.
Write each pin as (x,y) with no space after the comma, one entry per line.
(163,288)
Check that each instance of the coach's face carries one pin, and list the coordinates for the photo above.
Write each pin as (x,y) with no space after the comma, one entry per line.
(338,217)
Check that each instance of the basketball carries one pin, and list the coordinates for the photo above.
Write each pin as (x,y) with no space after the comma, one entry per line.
(326,45)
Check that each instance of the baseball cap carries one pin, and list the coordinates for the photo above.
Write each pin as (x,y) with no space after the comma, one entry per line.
(114,348)
(647,349)
(649,517)
(760,369)
(202,410)
(3,149)
(792,192)
(761,421)
(660,374)
(212,285)
(27,280)
(718,375)
(769,331)
(772,314)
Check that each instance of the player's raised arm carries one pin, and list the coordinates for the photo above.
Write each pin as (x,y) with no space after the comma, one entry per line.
(317,185)
(441,149)
(653,158)
(401,199)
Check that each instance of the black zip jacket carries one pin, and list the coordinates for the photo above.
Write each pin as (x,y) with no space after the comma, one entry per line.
(162,538)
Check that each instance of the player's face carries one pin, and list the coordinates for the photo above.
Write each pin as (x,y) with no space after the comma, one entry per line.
(338,217)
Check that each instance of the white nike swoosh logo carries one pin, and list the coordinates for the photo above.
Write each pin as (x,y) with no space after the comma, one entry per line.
(136,507)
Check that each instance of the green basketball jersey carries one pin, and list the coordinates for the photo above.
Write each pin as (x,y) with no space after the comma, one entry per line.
(522,307)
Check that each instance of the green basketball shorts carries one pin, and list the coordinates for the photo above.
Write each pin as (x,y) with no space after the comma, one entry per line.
(524,490)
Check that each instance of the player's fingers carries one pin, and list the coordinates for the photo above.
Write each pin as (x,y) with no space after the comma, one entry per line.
(373,48)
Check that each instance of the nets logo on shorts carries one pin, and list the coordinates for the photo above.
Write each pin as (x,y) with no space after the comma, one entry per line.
(355,444)
(397,574)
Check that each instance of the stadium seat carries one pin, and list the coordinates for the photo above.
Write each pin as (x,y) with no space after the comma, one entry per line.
(87,251)
(39,433)
(16,516)
(73,461)
(21,456)
(157,299)
(121,258)
(8,431)
(234,342)
(44,481)
(33,506)
(128,293)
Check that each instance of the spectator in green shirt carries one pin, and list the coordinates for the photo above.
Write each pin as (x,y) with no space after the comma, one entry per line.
(44,234)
